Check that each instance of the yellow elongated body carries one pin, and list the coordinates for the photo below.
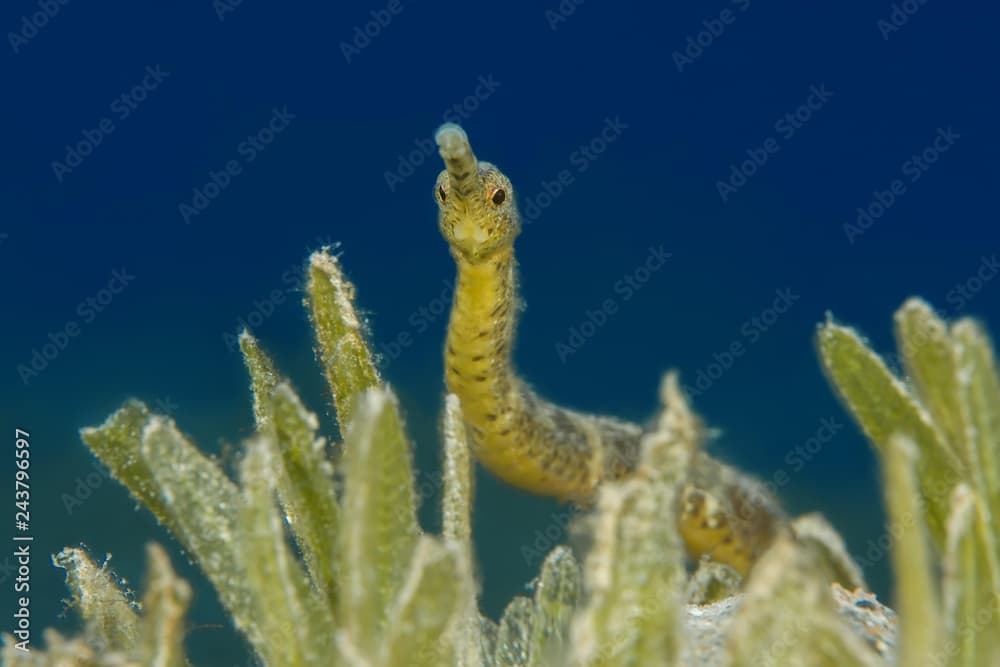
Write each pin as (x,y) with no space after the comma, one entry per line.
(531,443)
(528,442)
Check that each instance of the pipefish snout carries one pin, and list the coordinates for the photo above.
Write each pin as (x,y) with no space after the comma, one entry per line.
(478,214)
(532,443)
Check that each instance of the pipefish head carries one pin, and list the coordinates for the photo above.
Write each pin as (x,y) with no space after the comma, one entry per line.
(477,216)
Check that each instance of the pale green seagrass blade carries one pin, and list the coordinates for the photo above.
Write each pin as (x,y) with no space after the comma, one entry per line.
(379,527)
(307,491)
(264,377)
(883,406)
(292,617)
(634,574)
(185,490)
(970,605)
(556,595)
(109,613)
(118,444)
(513,645)
(458,477)
(931,365)
(304,472)
(456,511)
(980,394)
(917,598)
(340,340)
(788,618)
(164,606)
(425,622)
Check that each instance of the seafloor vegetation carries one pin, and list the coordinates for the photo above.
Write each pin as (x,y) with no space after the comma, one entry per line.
(316,553)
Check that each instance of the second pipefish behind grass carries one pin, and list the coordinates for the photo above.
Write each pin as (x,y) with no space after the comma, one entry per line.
(532,443)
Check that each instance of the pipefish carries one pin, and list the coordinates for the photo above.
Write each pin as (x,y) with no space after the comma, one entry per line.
(532,443)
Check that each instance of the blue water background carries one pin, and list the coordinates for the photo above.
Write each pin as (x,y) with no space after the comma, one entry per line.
(887,95)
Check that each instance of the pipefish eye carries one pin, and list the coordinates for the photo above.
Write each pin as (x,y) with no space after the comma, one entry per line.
(498,196)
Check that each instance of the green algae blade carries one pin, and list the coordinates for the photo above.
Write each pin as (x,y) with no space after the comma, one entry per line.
(203,504)
(488,631)
(306,489)
(109,613)
(293,620)
(425,622)
(678,434)
(917,600)
(556,596)
(304,472)
(116,635)
(458,479)
(930,362)
(951,370)
(118,444)
(456,513)
(513,643)
(634,573)
(340,341)
(185,490)
(816,532)
(634,576)
(787,617)
(970,607)
(980,394)
(164,606)
(379,530)
(264,377)
(883,406)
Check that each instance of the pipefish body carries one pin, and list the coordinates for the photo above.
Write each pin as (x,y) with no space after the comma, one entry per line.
(532,443)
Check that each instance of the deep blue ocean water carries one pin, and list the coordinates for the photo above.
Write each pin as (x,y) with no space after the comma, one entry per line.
(175,165)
